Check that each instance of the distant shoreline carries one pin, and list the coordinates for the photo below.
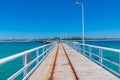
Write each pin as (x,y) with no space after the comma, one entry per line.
(67,40)
(58,38)
(15,41)
(94,40)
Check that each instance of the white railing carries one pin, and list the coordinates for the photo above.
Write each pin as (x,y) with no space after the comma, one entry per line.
(98,55)
(27,63)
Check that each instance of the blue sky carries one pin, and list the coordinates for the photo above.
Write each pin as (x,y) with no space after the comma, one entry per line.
(38,18)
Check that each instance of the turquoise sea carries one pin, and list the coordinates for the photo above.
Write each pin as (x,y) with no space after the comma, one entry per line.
(11,48)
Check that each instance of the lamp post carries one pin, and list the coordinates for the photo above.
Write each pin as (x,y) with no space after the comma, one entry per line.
(78,3)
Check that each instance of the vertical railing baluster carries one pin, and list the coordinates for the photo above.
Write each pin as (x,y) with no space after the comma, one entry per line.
(75,46)
(79,48)
(101,56)
(50,47)
(46,49)
(43,51)
(84,50)
(90,53)
(26,59)
(37,55)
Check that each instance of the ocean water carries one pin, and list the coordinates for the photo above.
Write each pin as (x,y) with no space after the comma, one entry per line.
(11,48)
(111,44)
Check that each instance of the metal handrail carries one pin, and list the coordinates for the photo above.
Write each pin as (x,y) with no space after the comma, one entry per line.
(100,47)
(25,59)
(83,51)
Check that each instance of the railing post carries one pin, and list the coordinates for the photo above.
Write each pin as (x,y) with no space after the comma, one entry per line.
(79,48)
(90,53)
(101,55)
(26,59)
(51,46)
(37,55)
(84,49)
(46,48)
(43,51)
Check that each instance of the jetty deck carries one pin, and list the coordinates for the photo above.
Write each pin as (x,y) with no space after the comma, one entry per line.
(64,63)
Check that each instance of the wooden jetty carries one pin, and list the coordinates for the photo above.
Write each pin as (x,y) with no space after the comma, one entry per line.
(64,63)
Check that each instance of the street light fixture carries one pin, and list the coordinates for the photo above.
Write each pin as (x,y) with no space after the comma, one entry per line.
(78,3)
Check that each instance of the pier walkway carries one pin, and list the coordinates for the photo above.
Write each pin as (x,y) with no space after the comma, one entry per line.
(64,63)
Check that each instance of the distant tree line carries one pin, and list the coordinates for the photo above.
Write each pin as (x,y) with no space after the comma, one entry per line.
(55,38)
